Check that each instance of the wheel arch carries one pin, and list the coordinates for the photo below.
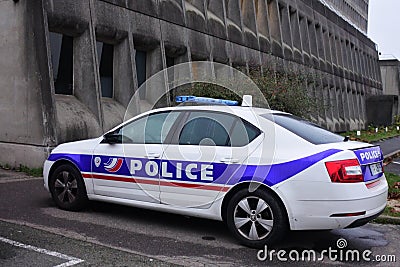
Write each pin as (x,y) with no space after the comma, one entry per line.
(245,185)
(61,162)
(81,194)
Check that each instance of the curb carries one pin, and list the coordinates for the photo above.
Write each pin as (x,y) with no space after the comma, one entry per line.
(389,157)
(392,154)
(387,219)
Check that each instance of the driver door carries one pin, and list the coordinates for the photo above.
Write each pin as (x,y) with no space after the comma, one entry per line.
(129,168)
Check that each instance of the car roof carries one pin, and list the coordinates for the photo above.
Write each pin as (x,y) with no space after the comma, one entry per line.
(222,108)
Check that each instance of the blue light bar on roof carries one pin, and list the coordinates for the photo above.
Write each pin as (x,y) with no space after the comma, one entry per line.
(205,100)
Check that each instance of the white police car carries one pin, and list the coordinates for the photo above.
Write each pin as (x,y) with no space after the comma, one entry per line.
(263,172)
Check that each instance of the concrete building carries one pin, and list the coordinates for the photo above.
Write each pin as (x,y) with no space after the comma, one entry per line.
(353,11)
(386,106)
(390,72)
(69,67)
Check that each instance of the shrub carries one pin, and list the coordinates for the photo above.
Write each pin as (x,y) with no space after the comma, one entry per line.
(283,91)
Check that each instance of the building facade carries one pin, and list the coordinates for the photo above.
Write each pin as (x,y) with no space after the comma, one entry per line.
(390,73)
(354,12)
(70,67)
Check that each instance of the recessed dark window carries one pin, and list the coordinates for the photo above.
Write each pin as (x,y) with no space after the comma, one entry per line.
(170,61)
(62,60)
(105,54)
(141,74)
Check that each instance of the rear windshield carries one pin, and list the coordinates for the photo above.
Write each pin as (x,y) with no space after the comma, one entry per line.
(305,129)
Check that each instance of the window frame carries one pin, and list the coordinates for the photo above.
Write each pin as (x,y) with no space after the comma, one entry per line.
(185,119)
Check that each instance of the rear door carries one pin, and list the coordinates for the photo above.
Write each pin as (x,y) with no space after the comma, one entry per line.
(204,154)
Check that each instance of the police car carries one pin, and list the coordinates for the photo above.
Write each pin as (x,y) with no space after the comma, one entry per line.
(261,171)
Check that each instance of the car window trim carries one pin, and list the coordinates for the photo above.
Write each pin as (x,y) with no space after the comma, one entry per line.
(178,128)
(170,132)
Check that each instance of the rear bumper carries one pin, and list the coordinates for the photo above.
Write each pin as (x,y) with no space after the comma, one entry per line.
(362,221)
(312,208)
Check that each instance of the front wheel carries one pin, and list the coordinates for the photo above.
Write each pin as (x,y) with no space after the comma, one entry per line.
(256,218)
(67,188)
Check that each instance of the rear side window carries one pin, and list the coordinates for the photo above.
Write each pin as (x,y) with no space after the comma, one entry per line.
(243,133)
(219,129)
(205,131)
(305,129)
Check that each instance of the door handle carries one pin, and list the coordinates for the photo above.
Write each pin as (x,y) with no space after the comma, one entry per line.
(153,155)
(229,160)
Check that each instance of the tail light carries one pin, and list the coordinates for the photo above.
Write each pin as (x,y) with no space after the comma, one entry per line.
(345,171)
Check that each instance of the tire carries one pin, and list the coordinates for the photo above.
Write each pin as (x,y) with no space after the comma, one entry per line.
(67,188)
(256,218)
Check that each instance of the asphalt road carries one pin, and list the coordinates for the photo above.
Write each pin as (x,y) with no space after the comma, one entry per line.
(112,235)
(394,166)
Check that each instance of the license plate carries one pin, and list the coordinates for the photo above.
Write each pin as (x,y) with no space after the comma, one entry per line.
(375,168)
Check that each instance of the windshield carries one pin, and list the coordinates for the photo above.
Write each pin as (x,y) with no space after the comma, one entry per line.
(305,129)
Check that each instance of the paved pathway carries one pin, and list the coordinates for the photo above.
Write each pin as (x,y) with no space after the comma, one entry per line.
(390,146)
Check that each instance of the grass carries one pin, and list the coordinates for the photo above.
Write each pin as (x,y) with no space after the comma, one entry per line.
(370,135)
(392,179)
(388,212)
(35,172)
(394,193)
(386,221)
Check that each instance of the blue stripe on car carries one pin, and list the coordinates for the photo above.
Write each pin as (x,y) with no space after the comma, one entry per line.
(229,174)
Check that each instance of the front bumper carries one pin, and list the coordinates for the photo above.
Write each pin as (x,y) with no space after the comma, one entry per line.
(46,171)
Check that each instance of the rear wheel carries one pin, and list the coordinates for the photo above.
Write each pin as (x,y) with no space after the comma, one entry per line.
(67,188)
(256,218)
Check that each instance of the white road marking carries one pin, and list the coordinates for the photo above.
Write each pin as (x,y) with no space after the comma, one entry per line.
(71,260)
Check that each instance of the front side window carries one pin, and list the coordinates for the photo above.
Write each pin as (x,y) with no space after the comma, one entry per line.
(152,129)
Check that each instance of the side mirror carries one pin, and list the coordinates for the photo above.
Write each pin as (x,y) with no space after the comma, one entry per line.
(112,138)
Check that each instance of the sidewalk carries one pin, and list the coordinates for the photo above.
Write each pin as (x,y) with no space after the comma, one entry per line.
(13,176)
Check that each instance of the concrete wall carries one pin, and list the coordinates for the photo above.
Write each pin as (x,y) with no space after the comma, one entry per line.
(390,72)
(382,109)
(300,35)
